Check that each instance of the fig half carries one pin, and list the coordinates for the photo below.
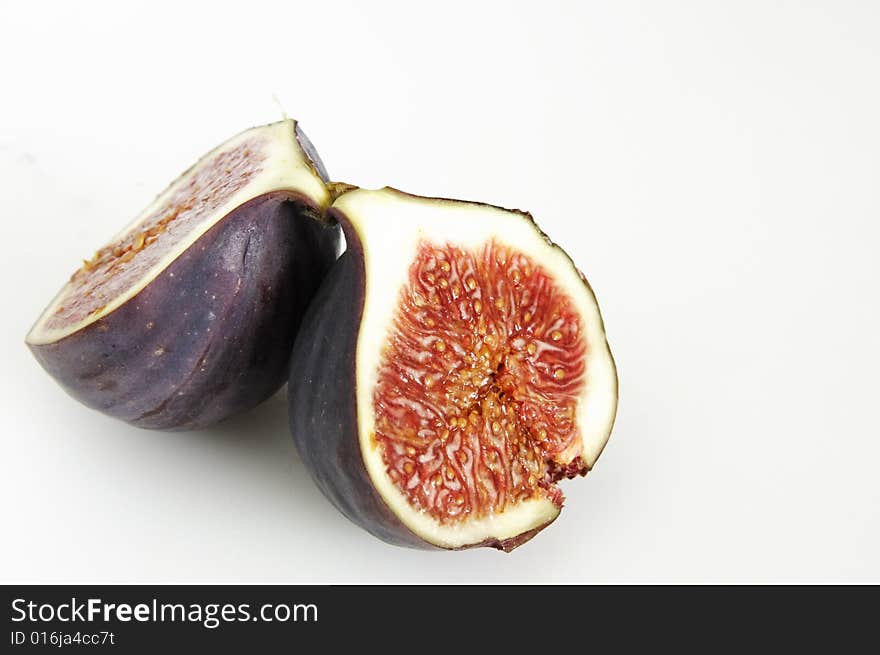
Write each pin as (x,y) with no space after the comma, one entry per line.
(188,315)
(452,368)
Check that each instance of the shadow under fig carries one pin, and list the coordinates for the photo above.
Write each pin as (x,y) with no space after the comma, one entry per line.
(265,422)
(259,441)
(267,477)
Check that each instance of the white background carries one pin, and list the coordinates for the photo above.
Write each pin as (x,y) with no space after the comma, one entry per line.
(712,167)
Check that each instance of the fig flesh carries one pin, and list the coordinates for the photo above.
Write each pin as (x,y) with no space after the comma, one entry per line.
(188,315)
(452,368)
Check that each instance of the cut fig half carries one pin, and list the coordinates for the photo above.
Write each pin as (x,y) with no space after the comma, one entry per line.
(452,368)
(188,315)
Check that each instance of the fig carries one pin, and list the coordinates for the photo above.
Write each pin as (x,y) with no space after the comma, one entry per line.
(188,315)
(451,370)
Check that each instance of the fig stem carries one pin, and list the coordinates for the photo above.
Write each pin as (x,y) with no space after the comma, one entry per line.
(280,107)
(336,189)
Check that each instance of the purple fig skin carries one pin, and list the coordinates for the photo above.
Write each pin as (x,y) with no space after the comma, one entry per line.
(311,153)
(211,335)
(323,412)
(323,404)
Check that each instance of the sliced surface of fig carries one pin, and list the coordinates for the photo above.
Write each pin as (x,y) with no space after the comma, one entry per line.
(188,315)
(452,368)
